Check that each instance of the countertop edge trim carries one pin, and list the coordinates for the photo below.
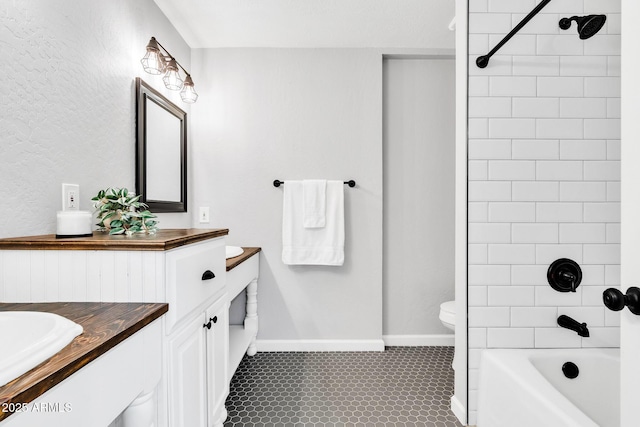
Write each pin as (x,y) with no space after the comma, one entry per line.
(37,242)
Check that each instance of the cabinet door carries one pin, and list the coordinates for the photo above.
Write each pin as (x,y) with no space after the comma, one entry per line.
(187,375)
(217,360)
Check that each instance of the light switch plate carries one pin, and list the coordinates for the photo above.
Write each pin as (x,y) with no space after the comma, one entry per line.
(204,215)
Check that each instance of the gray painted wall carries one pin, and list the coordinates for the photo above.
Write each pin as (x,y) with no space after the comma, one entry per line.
(68,102)
(419,149)
(295,114)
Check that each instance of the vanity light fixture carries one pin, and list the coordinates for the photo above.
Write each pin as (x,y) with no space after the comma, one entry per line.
(158,60)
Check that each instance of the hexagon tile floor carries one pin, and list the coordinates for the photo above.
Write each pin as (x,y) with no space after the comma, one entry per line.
(400,387)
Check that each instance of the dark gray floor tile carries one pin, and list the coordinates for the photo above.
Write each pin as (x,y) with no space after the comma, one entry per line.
(402,386)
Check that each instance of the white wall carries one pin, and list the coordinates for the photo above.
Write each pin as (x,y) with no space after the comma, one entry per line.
(270,114)
(68,102)
(311,23)
(630,324)
(419,148)
(544,176)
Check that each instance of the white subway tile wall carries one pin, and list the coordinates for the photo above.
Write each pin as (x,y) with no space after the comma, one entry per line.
(544,171)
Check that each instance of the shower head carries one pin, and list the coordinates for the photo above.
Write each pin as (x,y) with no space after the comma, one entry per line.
(588,25)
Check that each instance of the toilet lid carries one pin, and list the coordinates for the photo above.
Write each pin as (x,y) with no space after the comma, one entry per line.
(448,312)
(449,307)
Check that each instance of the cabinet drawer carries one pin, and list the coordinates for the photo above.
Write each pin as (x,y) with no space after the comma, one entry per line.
(195,273)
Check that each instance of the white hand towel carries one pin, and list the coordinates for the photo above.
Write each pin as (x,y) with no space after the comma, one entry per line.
(313,246)
(314,196)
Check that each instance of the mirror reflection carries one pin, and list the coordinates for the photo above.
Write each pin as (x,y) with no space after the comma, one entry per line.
(161,151)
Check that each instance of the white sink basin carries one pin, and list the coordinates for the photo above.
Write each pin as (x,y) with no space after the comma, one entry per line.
(234,251)
(29,338)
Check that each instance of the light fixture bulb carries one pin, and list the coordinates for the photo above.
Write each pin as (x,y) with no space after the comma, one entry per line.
(188,93)
(172,78)
(153,61)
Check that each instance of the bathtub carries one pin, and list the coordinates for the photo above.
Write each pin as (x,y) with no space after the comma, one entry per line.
(527,388)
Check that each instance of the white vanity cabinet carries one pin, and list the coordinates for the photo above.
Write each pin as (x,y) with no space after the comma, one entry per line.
(217,363)
(242,275)
(196,367)
(184,268)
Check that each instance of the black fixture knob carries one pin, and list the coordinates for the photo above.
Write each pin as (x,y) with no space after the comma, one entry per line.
(570,370)
(207,325)
(616,300)
(564,275)
(613,299)
(213,319)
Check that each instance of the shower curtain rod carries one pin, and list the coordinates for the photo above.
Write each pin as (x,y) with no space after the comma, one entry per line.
(483,61)
(351,183)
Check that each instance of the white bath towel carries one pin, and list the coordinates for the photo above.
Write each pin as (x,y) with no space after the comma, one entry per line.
(314,203)
(313,246)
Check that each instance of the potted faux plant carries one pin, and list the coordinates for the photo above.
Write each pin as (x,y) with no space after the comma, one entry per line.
(121,212)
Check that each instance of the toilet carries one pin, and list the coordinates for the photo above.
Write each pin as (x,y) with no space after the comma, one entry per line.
(448,319)
(448,314)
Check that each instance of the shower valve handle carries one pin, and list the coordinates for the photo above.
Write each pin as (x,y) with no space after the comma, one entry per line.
(616,300)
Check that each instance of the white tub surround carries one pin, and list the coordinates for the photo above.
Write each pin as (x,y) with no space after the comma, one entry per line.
(527,388)
(544,176)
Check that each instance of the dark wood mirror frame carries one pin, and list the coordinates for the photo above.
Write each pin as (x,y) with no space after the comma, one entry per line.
(145,94)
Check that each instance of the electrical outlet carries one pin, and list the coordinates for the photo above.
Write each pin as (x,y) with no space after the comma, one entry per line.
(204,214)
(70,197)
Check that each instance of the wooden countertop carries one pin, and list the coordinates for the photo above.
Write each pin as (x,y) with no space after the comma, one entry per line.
(105,326)
(161,241)
(236,261)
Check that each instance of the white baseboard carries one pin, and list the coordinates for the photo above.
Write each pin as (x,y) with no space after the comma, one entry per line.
(459,410)
(419,340)
(319,345)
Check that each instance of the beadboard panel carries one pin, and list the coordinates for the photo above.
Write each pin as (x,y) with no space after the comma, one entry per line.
(82,276)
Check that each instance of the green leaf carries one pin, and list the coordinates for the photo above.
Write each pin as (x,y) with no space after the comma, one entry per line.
(116,230)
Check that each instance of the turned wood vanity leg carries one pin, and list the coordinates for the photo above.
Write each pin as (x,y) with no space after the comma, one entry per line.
(223,417)
(141,412)
(251,318)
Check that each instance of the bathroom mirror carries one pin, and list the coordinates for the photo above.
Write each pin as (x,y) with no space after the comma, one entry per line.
(161,151)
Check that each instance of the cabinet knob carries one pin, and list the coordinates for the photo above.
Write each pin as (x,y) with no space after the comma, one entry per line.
(208,275)
(210,323)
(616,300)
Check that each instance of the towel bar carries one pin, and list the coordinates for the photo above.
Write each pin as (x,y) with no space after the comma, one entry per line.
(351,183)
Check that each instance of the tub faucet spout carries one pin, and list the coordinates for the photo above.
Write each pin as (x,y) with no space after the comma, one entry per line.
(569,323)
